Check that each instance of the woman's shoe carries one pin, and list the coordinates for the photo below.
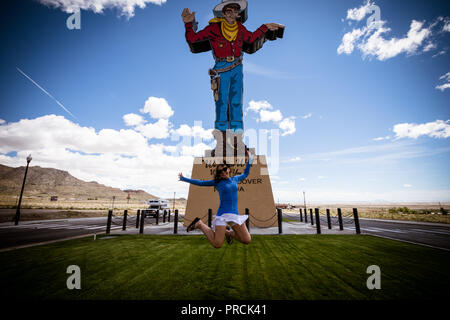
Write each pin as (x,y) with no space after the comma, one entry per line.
(192,225)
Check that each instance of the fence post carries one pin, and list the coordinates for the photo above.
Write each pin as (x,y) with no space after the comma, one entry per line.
(301,217)
(157,217)
(328,218)
(168,217)
(311,216)
(164,216)
(108,222)
(247,222)
(175,222)
(355,216)
(280,222)
(209,217)
(317,220)
(141,229)
(306,216)
(341,227)
(124,224)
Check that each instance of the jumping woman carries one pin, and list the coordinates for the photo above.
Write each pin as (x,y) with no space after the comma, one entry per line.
(227,214)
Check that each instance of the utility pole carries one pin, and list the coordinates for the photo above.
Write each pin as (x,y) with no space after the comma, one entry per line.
(304,200)
(174,201)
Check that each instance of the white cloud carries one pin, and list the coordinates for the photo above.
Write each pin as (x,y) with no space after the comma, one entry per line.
(197,150)
(266,116)
(359,13)
(126,7)
(295,159)
(117,158)
(257,106)
(321,177)
(381,138)
(287,125)
(196,131)
(262,108)
(158,108)
(2,121)
(306,116)
(302,179)
(132,119)
(446,85)
(407,185)
(157,130)
(446,26)
(348,41)
(436,129)
(372,41)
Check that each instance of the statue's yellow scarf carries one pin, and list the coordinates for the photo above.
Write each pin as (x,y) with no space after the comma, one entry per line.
(229,31)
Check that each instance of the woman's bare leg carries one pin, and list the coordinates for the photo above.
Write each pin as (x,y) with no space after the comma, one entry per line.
(215,238)
(241,234)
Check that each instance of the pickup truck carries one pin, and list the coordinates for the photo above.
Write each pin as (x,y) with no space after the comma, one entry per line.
(156,206)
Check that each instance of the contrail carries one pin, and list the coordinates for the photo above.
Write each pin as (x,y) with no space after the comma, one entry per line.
(47,93)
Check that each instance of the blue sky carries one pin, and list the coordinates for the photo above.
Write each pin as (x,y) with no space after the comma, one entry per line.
(366,117)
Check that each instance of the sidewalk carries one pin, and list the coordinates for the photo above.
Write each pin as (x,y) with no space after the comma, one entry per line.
(288,228)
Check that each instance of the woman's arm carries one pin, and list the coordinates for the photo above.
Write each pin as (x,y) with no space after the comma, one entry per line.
(246,170)
(203,183)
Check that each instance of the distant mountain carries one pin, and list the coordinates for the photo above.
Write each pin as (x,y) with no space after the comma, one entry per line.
(54,182)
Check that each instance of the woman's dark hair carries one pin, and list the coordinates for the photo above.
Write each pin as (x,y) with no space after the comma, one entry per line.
(219,169)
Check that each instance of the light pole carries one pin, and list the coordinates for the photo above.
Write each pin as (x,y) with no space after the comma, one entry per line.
(17,217)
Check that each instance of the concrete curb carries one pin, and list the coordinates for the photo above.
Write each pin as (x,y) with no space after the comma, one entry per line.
(48,242)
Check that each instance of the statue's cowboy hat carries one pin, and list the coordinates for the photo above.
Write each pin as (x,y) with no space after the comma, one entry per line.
(242,12)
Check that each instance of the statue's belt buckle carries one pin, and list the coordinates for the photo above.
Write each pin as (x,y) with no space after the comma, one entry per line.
(230,58)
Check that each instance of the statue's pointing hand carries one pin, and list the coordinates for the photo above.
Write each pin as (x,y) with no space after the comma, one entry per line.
(274,26)
(188,16)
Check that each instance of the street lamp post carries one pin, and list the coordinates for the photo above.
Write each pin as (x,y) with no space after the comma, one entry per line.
(17,217)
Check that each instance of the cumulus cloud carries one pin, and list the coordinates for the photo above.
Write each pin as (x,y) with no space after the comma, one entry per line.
(436,129)
(118,158)
(157,108)
(195,131)
(266,116)
(359,13)
(132,119)
(157,130)
(287,125)
(267,113)
(372,40)
(125,7)
(446,84)
(2,121)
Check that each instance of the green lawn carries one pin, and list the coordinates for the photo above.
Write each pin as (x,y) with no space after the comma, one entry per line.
(187,267)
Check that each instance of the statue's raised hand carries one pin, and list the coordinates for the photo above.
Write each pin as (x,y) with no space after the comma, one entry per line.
(188,16)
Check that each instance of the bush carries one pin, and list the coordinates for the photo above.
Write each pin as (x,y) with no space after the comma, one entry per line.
(443,211)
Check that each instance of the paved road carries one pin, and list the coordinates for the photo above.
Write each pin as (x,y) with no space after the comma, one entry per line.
(431,234)
(29,232)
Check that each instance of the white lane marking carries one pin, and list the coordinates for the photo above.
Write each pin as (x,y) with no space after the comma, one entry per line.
(374,229)
(430,231)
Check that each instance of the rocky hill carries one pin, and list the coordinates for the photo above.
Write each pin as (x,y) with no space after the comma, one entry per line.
(53,182)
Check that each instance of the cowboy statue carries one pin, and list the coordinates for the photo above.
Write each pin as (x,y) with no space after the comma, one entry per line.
(227,37)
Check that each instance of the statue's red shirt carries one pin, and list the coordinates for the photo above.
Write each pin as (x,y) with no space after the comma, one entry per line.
(221,47)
